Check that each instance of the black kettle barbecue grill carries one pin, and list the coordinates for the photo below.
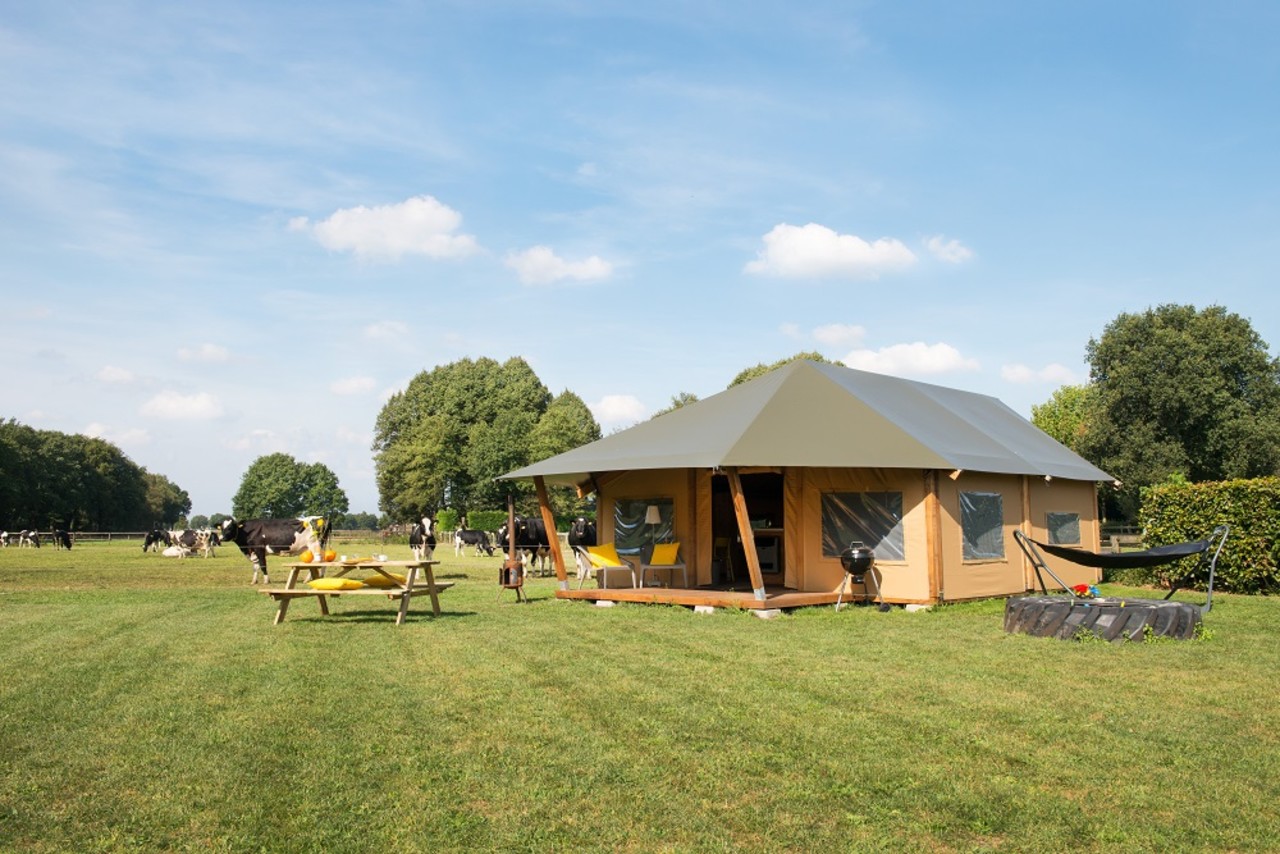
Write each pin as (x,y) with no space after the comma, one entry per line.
(859,566)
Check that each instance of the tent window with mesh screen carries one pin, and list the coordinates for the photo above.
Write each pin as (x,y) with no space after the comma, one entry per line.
(982,525)
(871,518)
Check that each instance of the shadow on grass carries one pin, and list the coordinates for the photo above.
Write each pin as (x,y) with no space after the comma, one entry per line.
(373,615)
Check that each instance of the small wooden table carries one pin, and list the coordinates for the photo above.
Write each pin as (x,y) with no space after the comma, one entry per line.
(404,591)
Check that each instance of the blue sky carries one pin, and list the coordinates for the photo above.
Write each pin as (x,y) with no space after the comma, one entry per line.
(233,229)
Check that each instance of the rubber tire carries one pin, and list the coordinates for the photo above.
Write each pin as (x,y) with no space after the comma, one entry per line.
(1116,620)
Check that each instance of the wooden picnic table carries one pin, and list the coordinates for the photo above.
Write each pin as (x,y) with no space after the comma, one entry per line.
(404,590)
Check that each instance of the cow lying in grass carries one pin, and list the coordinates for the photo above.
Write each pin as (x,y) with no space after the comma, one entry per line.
(189,541)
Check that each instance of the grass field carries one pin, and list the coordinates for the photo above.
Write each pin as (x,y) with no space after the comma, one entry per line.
(148,704)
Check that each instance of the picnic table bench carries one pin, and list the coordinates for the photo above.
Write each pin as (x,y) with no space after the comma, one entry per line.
(402,588)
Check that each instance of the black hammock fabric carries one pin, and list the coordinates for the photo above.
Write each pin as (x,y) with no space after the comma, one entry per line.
(1128,560)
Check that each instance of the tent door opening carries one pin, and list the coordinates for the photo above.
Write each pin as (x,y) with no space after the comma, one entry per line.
(763,494)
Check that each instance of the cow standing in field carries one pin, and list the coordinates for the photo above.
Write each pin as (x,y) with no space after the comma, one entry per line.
(258,538)
(154,538)
(62,539)
(530,538)
(582,533)
(207,540)
(464,537)
(29,539)
(422,538)
(184,539)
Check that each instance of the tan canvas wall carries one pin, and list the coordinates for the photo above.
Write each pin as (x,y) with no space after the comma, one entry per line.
(903,581)
(1063,496)
(1026,503)
(676,484)
(980,578)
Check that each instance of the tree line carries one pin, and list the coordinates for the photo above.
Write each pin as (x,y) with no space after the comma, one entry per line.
(1174,392)
(51,480)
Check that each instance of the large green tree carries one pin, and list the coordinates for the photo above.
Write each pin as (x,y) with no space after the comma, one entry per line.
(1065,416)
(165,500)
(761,369)
(678,401)
(277,486)
(444,439)
(567,424)
(1181,391)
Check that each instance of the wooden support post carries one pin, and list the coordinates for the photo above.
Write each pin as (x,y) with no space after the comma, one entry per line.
(553,539)
(1027,582)
(933,534)
(746,533)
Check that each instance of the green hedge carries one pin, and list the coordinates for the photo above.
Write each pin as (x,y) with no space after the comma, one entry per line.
(447,521)
(1178,512)
(489,520)
(486,520)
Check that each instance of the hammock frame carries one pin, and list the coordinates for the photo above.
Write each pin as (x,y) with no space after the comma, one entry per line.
(1208,549)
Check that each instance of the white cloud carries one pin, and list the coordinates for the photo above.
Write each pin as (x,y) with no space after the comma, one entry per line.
(352,385)
(346,435)
(112,374)
(188,407)
(386,330)
(951,251)
(126,438)
(1051,373)
(911,360)
(840,334)
(618,409)
(204,353)
(417,226)
(261,439)
(814,250)
(539,265)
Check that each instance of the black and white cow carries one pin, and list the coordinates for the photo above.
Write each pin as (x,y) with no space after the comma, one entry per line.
(258,538)
(422,538)
(4,539)
(530,538)
(28,539)
(207,540)
(464,537)
(183,538)
(582,533)
(62,539)
(155,537)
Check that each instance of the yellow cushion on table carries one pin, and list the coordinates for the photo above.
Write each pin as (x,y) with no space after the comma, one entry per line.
(606,555)
(379,580)
(335,584)
(664,554)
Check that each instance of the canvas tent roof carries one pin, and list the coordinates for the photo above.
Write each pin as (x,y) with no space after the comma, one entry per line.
(811,414)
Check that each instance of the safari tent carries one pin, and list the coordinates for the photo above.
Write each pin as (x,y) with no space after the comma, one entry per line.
(764,484)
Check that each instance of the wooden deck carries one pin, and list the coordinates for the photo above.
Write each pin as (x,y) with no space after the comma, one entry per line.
(775,597)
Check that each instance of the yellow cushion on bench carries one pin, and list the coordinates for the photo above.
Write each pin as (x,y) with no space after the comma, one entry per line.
(335,584)
(606,555)
(379,580)
(664,554)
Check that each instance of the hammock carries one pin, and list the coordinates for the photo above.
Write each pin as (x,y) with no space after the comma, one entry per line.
(1208,549)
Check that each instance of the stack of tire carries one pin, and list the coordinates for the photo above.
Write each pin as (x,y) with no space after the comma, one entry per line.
(1111,619)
